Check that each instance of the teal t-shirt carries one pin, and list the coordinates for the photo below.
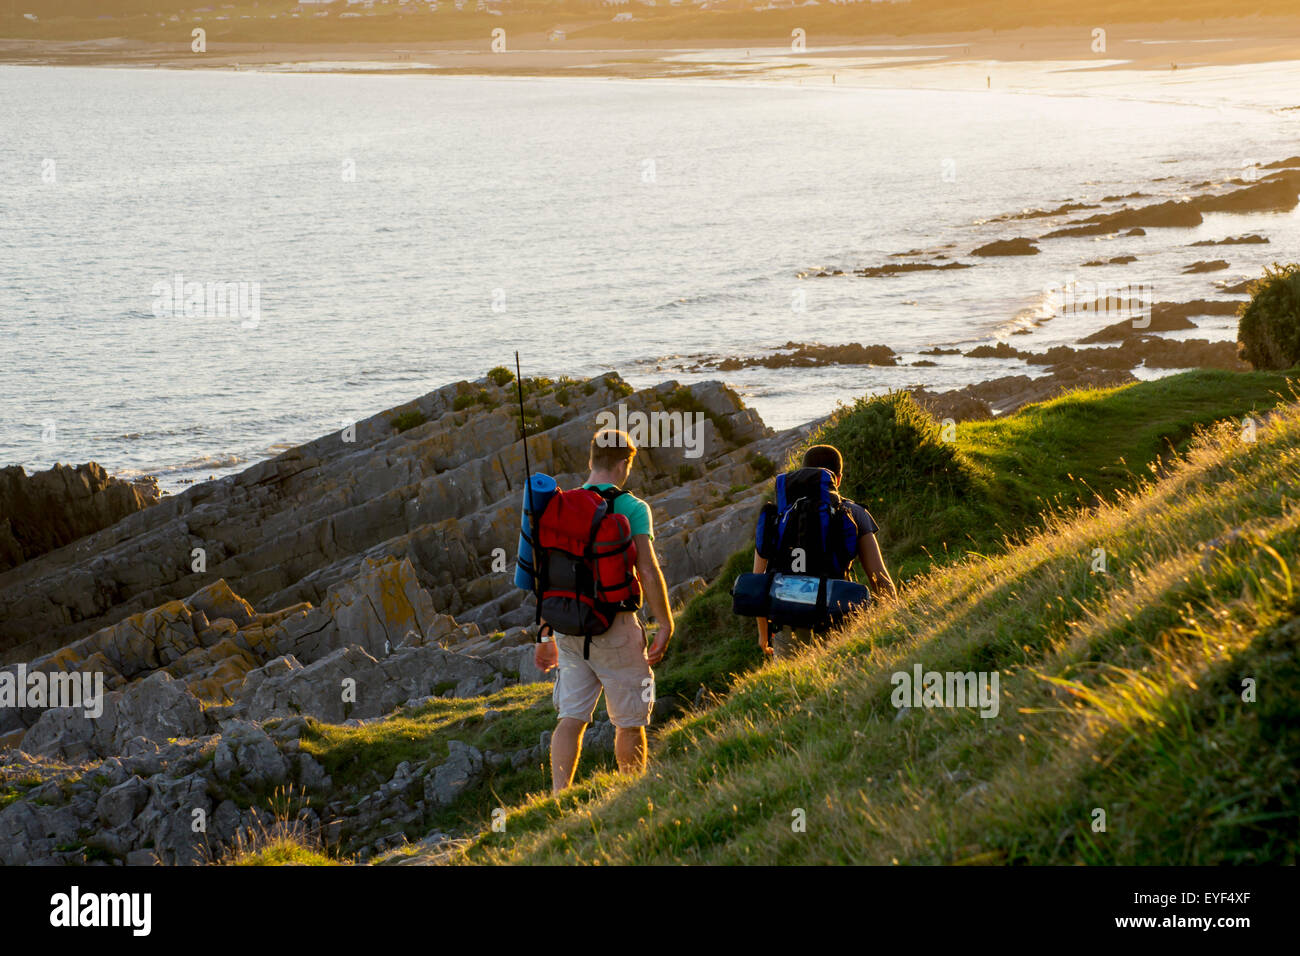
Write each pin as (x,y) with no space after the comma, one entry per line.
(631,507)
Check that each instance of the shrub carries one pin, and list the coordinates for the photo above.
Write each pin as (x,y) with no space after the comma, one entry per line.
(408,420)
(892,446)
(1268,334)
(920,490)
(616,385)
(501,376)
(466,399)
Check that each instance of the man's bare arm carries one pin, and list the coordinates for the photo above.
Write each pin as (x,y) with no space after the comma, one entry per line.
(764,637)
(873,562)
(656,594)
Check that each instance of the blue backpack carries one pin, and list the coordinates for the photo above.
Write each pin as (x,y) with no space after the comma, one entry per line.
(808,530)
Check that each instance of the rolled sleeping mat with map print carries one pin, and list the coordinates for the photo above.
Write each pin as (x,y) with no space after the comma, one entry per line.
(798,600)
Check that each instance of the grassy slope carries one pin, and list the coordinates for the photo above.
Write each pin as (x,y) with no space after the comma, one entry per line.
(1121,691)
(1061,453)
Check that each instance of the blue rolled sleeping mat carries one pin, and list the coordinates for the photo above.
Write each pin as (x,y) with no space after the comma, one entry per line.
(537,493)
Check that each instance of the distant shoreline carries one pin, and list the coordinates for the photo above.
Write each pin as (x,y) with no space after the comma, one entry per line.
(1027,59)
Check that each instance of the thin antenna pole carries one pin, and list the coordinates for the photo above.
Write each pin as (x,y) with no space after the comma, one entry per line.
(523,429)
(529,510)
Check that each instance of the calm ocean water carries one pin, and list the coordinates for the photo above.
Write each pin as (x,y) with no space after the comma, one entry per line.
(402,232)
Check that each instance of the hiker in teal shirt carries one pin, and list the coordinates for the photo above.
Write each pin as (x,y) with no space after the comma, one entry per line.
(617,663)
(636,511)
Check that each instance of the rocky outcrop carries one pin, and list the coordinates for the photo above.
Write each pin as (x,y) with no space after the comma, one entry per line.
(1007,247)
(1139,348)
(342,584)
(1232,241)
(800,355)
(1205,265)
(1165,214)
(903,267)
(48,509)
(1164,317)
(1060,210)
(1277,192)
(125,777)
(1112,261)
(433,482)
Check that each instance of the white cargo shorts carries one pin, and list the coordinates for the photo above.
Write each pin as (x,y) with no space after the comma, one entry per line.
(616,664)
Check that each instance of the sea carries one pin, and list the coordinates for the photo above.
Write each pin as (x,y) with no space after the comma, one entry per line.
(363,239)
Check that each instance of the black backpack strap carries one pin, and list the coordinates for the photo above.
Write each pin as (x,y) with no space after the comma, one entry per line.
(610,495)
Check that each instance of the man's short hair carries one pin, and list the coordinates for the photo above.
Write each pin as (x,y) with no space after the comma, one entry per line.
(610,448)
(824,456)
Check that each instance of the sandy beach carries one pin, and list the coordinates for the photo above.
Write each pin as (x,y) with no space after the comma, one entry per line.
(1163,60)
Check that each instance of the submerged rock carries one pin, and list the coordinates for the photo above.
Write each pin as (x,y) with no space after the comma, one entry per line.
(1206,265)
(1007,247)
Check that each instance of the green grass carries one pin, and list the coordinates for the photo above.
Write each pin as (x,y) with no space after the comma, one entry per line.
(409,420)
(1071,451)
(359,759)
(366,756)
(1121,691)
(285,851)
(1068,452)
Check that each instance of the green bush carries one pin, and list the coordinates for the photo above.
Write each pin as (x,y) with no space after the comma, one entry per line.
(466,399)
(921,491)
(892,446)
(501,376)
(763,466)
(1268,334)
(408,420)
(619,387)
(541,385)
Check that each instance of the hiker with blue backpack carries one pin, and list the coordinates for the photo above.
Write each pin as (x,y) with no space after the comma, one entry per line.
(805,545)
(589,562)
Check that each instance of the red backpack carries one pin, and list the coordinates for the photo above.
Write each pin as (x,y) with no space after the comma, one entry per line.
(587,566)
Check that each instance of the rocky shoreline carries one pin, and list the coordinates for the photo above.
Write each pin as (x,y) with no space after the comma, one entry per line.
(379,558)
